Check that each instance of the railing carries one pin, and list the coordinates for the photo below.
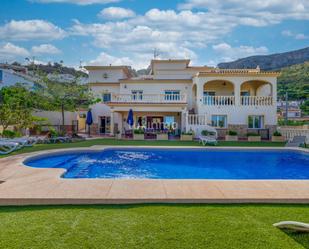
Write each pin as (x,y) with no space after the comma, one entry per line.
(290,133)
(197,119)
(256,100)
(219,100)
(149,98)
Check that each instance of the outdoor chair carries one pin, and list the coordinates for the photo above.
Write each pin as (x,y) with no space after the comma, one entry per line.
(7,147)
(204,140)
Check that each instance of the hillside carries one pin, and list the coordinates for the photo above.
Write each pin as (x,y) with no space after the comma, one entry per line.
(270,62)
(294,79)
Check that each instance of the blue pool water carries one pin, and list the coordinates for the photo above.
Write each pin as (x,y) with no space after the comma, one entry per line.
(179,164)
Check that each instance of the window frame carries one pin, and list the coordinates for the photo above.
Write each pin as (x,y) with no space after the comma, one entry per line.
(218,120)
(254,121)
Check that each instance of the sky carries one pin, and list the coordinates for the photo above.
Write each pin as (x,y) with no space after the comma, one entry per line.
(127,32)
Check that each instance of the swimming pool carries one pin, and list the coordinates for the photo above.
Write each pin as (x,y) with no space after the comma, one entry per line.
(155,163)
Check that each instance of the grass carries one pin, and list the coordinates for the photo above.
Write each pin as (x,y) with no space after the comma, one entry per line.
(151,226)
(89,143)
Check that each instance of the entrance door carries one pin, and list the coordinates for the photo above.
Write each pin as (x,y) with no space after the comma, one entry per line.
(105,125)
(155,123)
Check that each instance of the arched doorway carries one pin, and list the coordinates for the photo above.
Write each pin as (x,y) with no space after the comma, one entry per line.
(218,92)
(256,92)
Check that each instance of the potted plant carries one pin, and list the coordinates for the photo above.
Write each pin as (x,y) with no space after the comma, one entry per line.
(118,135)
(162,136)
(277,137)
(231,136)
(186,136)
(253,137)
(138,134)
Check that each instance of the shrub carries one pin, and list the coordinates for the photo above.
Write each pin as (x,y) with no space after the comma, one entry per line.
(11,134)
(252,134)
(138,131)
(187,133)
(232,133)
(277,134)
(208,133)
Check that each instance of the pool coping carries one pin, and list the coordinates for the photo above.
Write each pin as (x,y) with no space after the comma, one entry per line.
(24,185)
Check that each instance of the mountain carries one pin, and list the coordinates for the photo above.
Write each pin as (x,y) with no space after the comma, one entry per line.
(295,80)
(269,62)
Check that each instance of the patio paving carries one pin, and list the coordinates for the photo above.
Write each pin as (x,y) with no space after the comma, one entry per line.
(22,185)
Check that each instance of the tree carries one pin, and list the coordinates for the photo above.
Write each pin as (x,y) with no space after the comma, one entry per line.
(17,104)
(64,96)
(305,107)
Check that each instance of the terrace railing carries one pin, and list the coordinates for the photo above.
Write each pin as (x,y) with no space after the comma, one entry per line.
(256,100)
(149,98)
(219,100)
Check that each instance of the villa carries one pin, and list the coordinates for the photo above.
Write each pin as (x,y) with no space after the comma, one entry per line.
(193,98)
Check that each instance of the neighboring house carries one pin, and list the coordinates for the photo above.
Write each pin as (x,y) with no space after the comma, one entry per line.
(292,113)
(193,98)
(9,77)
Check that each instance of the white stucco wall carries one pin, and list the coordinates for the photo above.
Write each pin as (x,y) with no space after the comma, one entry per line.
(113,75)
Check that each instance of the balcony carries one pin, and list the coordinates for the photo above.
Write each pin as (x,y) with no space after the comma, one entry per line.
(257,100)
(149,98)
(244,100)
(219,100)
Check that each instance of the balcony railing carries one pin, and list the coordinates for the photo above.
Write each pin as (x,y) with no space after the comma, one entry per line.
(219,100)
(256,100)
(149,98)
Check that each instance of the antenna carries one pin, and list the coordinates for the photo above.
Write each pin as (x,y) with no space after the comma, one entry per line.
(155,53)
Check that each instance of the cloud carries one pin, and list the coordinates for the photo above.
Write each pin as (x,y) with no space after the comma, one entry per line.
(297,36)
(254,12)
(228,53)
(116,13)
(9,51)
(31,29)
(106,59)
(45,49)
(185,32)
(78,2)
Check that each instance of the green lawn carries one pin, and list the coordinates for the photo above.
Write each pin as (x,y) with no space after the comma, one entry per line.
(88,143)
(151,226)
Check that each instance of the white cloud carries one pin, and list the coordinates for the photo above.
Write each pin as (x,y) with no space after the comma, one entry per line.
(31,29)
(175,35)
(116,13)
(45,49)
(9,51)
(254,12)
(297,36)
(181,33)
(106,59)
(79,2)
(228,53)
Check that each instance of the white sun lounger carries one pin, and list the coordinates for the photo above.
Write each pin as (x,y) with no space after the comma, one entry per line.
(293,225)
(207,140)
(7,147)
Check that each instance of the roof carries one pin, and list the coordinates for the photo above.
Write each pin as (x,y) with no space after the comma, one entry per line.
(123,68)
(233,72)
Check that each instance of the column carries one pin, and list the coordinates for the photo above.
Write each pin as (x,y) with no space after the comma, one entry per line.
(237,93)
(112,123)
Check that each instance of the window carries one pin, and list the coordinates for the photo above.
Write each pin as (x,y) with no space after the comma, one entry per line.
(255,122)
(209,93)
(172,95)
(106,97)
(137,95)
(219,121)
(208,100)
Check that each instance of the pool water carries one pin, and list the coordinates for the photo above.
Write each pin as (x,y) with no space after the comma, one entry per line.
(179,164)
